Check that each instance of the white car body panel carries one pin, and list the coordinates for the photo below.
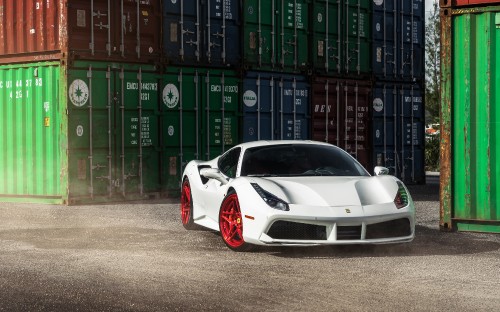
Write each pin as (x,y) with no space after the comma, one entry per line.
(328,203)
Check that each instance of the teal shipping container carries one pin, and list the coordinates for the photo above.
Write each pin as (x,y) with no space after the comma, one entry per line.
(470,119)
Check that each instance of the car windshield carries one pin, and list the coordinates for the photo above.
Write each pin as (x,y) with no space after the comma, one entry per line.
(299,160)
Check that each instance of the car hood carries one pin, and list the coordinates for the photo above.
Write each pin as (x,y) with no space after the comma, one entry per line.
(332,191)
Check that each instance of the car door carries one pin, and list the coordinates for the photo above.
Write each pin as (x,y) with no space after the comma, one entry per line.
(227,164)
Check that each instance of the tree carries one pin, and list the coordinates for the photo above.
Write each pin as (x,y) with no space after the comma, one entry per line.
(432,62)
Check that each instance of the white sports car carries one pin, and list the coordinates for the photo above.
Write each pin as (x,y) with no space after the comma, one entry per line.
(295,193)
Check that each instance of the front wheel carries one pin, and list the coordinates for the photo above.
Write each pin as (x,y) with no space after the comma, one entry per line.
(231,223)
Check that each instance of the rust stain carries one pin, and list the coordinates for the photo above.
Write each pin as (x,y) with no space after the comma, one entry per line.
(445,117)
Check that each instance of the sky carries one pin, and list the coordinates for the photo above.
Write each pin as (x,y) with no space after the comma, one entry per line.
(428,5)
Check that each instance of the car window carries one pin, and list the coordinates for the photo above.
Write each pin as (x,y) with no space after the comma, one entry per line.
(299,160)
(228,163)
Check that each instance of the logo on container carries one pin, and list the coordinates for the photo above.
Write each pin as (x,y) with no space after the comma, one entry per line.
(249,98)
(378,105)
(78,92)
(170,95)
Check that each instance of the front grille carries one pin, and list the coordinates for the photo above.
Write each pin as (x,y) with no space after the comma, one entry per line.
(348,232)
(298,231)
(394,228)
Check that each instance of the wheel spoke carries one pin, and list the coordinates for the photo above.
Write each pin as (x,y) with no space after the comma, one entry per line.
(231,223)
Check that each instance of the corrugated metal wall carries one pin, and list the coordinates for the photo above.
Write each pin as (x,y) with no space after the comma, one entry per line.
(470,192)
(30,132)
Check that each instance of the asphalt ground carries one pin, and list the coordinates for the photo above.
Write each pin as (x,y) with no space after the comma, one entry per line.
(138,257)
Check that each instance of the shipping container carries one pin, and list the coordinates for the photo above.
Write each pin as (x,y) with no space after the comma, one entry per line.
(275,35)
(398,40)
(470,119)
(200,116)
(398,127)
(32,135)
(113,143)
(340,115)
(86,133)
(275,107)
(107,30)
(205,33)
(340,37)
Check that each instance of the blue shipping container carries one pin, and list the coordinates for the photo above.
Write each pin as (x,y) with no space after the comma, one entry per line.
(203,33)
(275,107)
(398,40)
(398,130)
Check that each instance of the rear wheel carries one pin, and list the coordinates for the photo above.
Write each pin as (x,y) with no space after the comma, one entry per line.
(187,206)
(231,223)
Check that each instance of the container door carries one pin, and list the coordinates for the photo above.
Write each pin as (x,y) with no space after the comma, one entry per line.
(384,39)
(222,36)
(356,98)
(136,125)
(219,116)
(292,107)
(413,132)
(181,101)
(259,34)
(293,20)
(325,111)
(257,104)
(182,33)
(89,127)
(411,60)
(113,132)
(326,43)
(398,130)
(357,48)
(114,30)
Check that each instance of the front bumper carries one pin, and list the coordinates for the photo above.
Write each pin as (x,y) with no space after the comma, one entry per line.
(309,226)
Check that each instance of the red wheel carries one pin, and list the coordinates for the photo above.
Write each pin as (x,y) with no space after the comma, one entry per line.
(187,206)
(231,223)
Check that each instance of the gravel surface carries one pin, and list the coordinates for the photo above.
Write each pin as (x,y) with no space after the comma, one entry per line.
(138,257)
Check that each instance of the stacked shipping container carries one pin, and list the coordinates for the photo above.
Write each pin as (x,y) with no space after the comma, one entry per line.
(470,39)
(398,69)
(130,91)
(82,82)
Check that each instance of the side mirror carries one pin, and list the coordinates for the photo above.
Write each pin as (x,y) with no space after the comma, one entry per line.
(213,173)
(380,171)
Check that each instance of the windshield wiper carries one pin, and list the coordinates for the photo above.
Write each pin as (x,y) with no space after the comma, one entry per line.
(262,175)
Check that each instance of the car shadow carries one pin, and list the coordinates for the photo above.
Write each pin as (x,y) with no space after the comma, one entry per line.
(428,241)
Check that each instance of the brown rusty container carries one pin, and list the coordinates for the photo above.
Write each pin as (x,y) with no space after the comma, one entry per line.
(108,30)
(340,114)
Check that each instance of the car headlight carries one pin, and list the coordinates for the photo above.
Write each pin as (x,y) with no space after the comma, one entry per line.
(401,199)
(271,200)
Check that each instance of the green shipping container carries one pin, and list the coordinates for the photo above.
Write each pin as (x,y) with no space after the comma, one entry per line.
(275,35)
(340,39)
(32,163)
(201,117)
(470,150)
(113,126)
(88,133)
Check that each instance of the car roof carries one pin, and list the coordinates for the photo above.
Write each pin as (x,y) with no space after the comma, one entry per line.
(279,142)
